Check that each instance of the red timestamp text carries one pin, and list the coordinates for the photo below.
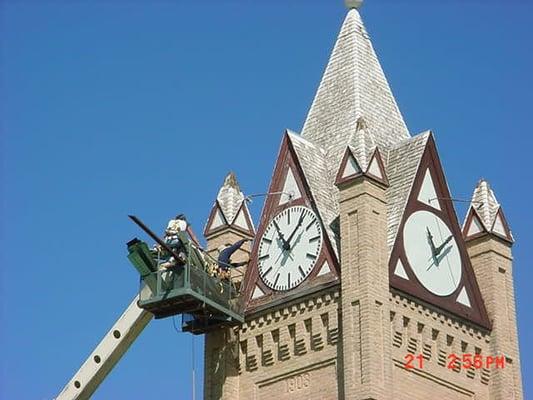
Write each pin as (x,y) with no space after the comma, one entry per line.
(458,361)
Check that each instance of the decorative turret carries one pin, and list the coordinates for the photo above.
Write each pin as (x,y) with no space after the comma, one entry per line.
(485,215)
(489,242)
(229,211)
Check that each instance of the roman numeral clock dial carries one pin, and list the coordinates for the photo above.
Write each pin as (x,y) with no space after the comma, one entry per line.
(289,248)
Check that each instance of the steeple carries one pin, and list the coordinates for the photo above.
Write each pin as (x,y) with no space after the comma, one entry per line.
(229,209)
(485,215)
(353,86)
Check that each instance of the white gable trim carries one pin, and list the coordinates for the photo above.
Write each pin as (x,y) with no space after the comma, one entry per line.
(257,292)
(351,167)
(400,270)
(463,298)
(375,169)
(325,269)
(427,193)
(291,191)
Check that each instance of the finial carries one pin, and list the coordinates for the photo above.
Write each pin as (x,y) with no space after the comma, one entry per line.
(231,181)
(350,4)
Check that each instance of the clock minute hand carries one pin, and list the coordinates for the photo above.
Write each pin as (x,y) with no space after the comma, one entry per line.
(439,249)
(295,229)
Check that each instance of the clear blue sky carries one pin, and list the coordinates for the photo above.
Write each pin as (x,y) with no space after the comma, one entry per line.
(110,108)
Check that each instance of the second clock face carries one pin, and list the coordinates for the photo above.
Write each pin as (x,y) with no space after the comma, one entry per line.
(432,252)
(289,248)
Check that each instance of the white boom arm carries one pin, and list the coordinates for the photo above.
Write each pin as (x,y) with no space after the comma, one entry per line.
(108,352)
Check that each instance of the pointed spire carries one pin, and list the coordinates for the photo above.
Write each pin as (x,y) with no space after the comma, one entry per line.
(353,86)
(485,214)
(230,208)
(230,197)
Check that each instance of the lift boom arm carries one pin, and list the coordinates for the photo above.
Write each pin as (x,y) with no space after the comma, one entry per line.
(108,352)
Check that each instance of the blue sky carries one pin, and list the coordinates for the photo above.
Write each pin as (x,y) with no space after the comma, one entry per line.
(110,108)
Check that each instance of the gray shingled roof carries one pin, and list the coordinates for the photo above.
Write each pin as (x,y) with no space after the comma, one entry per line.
(485,203)
(402,163)
(362,144)
(354,107)
(313,162)
(230,197)
(353,86)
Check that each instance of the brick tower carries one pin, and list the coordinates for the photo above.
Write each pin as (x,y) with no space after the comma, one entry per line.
(361,283)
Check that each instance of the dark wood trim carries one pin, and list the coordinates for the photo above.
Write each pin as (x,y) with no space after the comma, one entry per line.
(506,228)
(287,158)
(339,179)
(377,155)
(477,314)
(208,231)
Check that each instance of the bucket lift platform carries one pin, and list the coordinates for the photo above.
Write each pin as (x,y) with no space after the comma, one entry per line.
(205,302)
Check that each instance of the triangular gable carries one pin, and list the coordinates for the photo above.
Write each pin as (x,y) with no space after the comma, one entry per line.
(348,169)
(243,221)
(216,220)
(476,312)
(473,226)
(325,269)
(287,161)
(291,190)
(427,194)
(376,168)
(400,270)
(500,226)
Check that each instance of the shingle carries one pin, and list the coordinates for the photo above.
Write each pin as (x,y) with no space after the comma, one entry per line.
(402,164)
(353,86)
(485,203)
(230,197)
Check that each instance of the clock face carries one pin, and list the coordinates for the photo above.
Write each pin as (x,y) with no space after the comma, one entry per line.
(432,253)
(289,248)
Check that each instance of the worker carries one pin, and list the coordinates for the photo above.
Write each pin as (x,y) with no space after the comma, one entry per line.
(177,235)
(224,258)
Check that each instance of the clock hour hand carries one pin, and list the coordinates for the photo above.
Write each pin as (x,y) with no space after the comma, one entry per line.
(295,229)
(439,249)
(430,241)
(280,235)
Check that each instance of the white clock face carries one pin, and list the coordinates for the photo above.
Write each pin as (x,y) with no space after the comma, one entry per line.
(289,248)
(432,253)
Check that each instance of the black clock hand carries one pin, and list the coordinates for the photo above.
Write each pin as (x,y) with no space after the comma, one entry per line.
(430,240)
(295,229)
(439,249)
(280,235)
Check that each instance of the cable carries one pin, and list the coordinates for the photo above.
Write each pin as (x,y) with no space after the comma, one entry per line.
(193,371)
(251,196)
(456,200)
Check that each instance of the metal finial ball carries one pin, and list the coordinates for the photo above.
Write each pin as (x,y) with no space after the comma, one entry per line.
(353,3)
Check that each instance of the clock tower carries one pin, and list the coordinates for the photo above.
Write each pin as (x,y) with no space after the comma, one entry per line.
(361,282)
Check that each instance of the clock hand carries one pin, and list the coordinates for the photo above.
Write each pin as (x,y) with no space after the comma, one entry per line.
(430,240)
(432,245)
(295,229)
(439,249)
(285,243)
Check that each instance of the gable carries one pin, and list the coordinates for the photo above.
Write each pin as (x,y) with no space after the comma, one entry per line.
(465,300)
(287,176)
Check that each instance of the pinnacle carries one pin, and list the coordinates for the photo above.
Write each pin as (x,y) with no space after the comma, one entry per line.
(231,181)
(353,4)
(485,203)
